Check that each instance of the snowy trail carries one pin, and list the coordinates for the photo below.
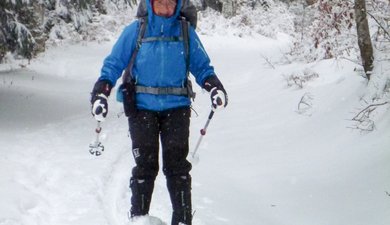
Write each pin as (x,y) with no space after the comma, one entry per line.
(261,162)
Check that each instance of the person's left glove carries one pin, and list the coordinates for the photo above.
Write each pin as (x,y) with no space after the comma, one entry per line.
(99,97)
(218,95)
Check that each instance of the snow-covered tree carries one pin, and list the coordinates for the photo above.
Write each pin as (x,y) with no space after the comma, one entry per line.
(325,30)
(378,12)
(230,8)
(27,24)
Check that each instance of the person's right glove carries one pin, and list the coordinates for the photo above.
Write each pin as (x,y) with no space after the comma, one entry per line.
(99,97)
(218,95)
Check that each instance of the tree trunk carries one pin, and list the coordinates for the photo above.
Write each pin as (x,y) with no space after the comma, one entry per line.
(364,40)
(311,2)
(229,8)
(214,4)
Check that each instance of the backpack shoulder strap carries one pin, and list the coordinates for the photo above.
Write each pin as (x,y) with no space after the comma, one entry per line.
(185,35)
(186,41)
(127,76)
(142,28)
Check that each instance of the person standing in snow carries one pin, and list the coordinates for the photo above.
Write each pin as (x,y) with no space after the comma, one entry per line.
(160,112)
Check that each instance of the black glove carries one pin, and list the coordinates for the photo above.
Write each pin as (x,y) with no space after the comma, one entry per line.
(218,95)
(99,97)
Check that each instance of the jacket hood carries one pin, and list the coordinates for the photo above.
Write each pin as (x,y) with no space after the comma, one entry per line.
(153,17)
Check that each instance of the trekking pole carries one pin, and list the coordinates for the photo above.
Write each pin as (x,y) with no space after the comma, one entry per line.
(203,133)
(96,148)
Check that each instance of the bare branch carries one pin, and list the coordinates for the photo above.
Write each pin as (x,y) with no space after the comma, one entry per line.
(305,105)
(363,119)
(365,113)
(351,60)
(266,59)
(384,30)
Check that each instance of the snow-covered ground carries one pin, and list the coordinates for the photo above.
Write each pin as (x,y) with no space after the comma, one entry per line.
(263,160)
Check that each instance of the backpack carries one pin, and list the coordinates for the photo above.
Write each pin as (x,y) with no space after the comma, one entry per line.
(188,11)
(127,90)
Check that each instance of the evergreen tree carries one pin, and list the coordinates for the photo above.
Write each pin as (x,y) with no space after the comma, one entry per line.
(25,24)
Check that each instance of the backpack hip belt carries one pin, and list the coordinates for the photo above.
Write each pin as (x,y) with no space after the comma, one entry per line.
(161,90)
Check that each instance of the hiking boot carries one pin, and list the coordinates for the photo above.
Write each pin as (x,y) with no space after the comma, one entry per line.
(141,196)
(179,188)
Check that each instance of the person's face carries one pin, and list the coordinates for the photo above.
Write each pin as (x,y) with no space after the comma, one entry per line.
(165,8)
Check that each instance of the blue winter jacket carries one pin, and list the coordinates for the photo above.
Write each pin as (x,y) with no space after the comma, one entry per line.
(158,63)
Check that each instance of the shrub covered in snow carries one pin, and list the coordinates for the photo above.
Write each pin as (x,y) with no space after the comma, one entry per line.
(267,18)
(323,30)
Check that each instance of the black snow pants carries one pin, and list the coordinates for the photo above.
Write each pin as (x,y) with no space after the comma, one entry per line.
(147,129)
